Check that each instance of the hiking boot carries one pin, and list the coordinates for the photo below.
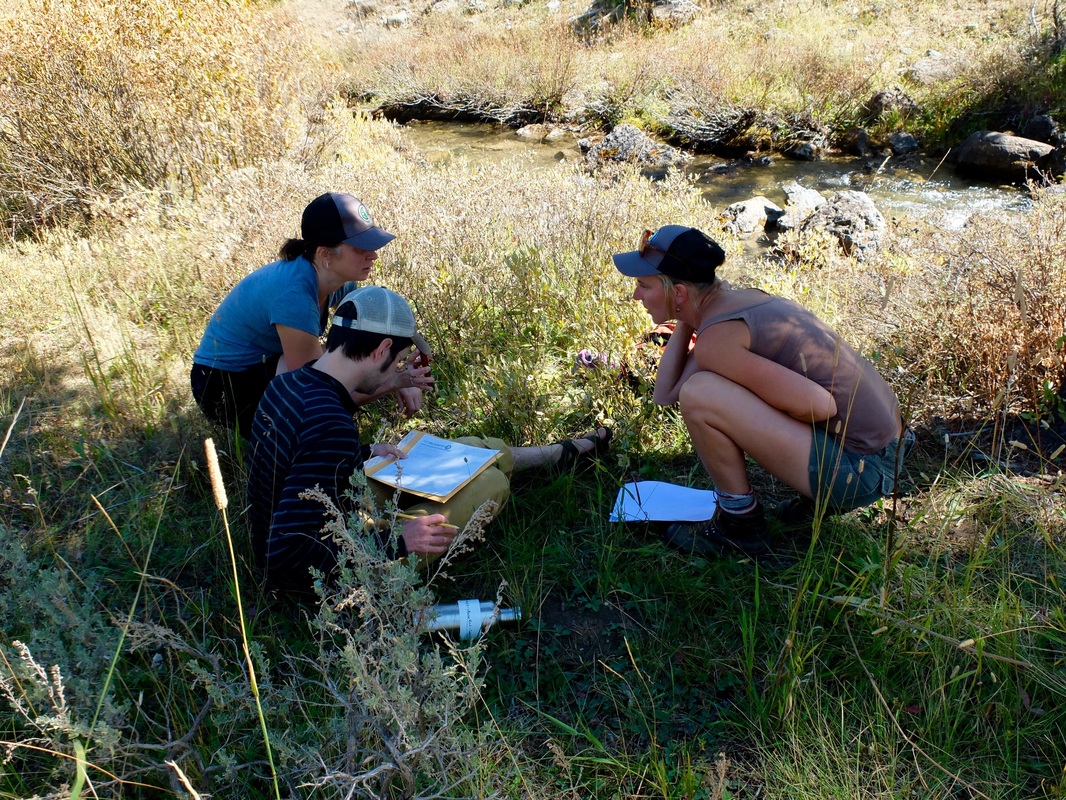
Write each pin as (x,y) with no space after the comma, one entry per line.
(800,512)
(795,512)
(724,533)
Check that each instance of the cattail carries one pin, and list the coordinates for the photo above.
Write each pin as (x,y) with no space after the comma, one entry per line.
(217,486)
(1019,297)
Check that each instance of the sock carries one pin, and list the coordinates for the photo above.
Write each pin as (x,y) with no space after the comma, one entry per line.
(736,503)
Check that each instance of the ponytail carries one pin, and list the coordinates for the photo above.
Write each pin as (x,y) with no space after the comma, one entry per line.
(294,248)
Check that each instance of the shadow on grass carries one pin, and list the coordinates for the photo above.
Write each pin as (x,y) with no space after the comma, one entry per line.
(628,653)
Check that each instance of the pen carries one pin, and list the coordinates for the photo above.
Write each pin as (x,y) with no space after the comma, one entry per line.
(414,516)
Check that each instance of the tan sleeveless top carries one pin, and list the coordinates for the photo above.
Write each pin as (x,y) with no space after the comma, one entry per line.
(868,415)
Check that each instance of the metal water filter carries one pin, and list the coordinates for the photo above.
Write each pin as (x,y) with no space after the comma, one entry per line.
(470,617)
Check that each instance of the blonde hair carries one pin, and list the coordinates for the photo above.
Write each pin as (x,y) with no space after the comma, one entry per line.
(699,290)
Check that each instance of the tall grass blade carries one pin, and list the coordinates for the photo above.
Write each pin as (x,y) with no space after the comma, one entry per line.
(221,502)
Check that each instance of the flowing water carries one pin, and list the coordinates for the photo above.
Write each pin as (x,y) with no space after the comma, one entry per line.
(912,187)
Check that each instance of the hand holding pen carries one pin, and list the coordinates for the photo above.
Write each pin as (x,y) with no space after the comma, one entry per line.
(431,533)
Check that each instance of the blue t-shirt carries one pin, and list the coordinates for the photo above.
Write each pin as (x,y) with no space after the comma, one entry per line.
(242,333)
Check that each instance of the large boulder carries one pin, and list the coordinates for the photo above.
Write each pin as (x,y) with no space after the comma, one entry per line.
(800,203)
(855,141)
(933,68)
(602,13)
(629,144)
(748,216)
(902,143)
(995,156)
(805,151)
(671,13)
(538,131)
(853,219)
(1043,128)
(890,100)
(1053,166)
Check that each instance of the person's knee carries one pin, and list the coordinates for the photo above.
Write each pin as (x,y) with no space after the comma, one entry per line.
(495,486)
(505,461)
(700,396)
(491,484)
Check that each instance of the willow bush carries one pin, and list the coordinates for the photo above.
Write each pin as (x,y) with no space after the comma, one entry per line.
(103,98)
(989,326)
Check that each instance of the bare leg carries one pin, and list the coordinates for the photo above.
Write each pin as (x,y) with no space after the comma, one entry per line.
(725,421)
(546,455)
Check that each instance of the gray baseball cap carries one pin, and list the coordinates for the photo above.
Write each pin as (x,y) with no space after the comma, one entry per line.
(381,310)
(335,218)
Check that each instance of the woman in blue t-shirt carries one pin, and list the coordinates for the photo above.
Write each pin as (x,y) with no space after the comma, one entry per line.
(272,320)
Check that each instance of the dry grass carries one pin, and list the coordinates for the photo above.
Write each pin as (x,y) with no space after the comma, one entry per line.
(104,99)
(823,61)
(966,320)
(509,269)
(989,324)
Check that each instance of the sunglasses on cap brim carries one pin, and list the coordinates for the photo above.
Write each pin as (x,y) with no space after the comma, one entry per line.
(645,246)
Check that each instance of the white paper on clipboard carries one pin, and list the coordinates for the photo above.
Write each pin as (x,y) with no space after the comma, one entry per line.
(434,468)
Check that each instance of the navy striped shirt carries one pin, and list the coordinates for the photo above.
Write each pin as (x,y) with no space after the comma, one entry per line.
(304,435)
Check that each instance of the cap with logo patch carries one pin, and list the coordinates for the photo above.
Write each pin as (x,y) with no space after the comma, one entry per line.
(335,218)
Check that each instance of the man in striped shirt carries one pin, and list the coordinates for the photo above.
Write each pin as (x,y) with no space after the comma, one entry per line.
(305,435)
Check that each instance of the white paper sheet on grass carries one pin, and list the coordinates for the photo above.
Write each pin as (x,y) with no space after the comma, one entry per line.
(656,501)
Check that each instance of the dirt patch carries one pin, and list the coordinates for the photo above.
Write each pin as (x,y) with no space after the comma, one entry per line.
(584,633)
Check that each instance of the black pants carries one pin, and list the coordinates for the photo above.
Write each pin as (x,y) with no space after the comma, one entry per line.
(229,398)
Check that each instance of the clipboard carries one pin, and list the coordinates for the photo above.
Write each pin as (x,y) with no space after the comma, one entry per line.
(435,468)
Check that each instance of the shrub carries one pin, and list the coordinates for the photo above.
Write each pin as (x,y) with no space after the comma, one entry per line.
(102,98)
(985,314)
(55,651)
(385,705)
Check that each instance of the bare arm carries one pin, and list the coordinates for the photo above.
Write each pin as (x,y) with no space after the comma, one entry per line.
(675,367)
(409,384)
(726,353)
(297,348)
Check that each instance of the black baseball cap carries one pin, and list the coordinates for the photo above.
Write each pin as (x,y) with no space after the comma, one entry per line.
(335,218)
(681,253)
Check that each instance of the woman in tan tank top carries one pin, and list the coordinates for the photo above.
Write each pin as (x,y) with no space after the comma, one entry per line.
(765,379)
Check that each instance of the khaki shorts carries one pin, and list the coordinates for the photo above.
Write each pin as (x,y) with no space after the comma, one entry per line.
(491,484)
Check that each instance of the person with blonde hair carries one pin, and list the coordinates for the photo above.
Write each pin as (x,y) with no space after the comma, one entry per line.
(765,379)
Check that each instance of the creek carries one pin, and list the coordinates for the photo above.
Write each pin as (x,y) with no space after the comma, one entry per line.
(913,186)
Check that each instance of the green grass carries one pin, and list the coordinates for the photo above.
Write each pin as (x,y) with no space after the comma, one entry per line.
(843,673)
